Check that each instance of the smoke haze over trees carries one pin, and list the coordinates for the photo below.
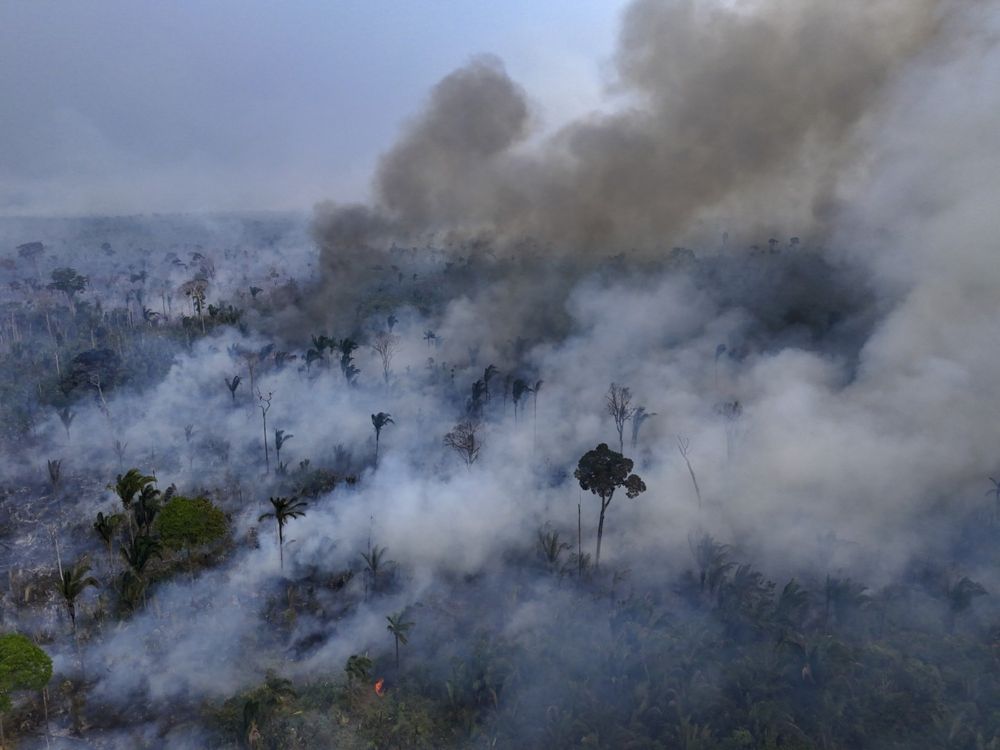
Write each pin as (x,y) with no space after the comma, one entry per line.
(778,244)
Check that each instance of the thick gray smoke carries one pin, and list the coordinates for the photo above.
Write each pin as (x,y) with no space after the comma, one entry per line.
(738,112)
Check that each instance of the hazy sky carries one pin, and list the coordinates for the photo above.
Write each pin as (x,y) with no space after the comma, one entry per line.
(120,106)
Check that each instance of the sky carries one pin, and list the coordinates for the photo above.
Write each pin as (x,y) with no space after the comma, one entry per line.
(134,107)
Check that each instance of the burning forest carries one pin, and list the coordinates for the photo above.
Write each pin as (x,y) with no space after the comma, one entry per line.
(665,421)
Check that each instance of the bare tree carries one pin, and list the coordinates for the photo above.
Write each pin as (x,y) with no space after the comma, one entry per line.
(684,446)
(464,440)
(264,403)
(619,403)
(385,345)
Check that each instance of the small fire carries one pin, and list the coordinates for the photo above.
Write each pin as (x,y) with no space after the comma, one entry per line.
(380,686)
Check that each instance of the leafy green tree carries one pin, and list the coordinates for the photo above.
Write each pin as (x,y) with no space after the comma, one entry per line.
(73,583)
(602,471)
(23,666)
(379,421)
(400,629)
(189,522)
(285,509)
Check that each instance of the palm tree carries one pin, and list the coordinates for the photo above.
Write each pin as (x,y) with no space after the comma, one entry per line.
(285,509)
(137,554)
(232,385)
(73,583)
(128,485)
(518,390)
(534,391)
(379,421)
(399,629)
(106,526)
(640,416)
(488,374)
(550,547)
(280,438)
(358,667)
(374,563)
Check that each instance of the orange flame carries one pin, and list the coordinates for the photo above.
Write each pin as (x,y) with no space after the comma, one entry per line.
(380,686)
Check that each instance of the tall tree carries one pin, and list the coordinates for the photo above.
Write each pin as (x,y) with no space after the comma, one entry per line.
(518,390)
(618,401)
(640,416)
(374,562)
(379,421)
(280,438)
(602,471)
(400,629)
(285,509)
(264,404)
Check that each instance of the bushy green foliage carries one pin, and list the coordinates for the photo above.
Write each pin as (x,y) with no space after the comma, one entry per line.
(23,666)
(186,522)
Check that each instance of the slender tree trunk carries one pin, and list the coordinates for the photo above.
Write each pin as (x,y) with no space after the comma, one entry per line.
(579,541)
(600,532)
(281,547)
(397,653)
(267,455)
(376,448)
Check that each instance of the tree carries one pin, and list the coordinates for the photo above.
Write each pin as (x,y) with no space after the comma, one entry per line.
(285,509)
(519,389)
(464,440)
(232,385)
(106,527)
(995,491)
(74,582)
(358,668)
(68,281)
(264,404)
(66,416)
(488,374)
(619,405)
(960,596)
(385,345)
(127,487)
(188,522)
(684,448)
(534,393)
(399,628)
(640,416)
(602,471)
(374,562)
(280,438)
(379,421)
(23,666)
(550,547)
(347,347)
